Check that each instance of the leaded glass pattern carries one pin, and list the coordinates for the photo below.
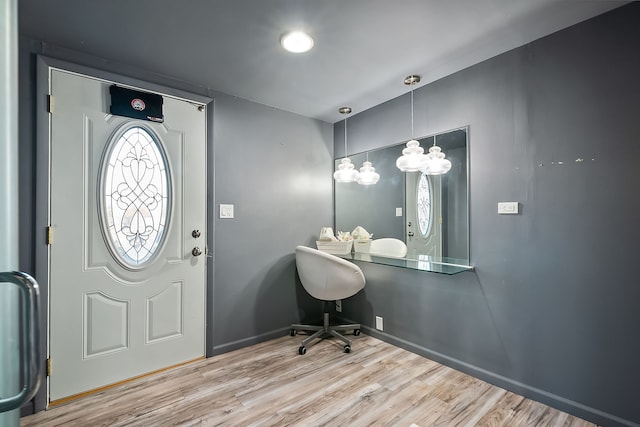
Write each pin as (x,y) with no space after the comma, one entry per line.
(135,196)
(423,198)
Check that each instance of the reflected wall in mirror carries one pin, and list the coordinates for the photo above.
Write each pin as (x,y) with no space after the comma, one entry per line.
(429,213)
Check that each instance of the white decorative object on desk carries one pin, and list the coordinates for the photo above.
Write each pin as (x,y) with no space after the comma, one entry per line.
(336,248)
(361,245)
(326,234)
(344,236)
(360,233)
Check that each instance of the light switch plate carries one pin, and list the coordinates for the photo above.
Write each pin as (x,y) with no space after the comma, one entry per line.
(398,211)
(508,208)
(226,211)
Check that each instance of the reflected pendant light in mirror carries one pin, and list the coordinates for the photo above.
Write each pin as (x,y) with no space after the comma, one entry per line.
(413,158)
(436,163)
(368,174)
(346,171)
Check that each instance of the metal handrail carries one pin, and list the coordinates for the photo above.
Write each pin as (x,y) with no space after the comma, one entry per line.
(31,321)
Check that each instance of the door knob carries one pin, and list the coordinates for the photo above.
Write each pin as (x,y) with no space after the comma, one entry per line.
(195,234)
(410,234)
(196,251)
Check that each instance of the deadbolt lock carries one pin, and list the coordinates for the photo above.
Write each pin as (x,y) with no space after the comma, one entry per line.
(195,234)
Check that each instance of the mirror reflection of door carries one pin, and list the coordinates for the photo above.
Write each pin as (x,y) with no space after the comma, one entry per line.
(424,215)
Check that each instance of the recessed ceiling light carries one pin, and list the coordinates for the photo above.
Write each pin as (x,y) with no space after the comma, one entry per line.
(296,42)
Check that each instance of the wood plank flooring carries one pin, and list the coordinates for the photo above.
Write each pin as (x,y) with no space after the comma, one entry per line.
(269,384)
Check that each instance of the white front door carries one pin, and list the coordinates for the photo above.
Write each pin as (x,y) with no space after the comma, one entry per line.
(127,295)
(424,215)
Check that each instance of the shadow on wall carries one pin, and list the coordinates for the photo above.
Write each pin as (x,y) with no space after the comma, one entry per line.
(281,299)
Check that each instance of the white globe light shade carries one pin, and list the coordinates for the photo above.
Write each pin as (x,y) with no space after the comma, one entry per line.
(413,158)
(436,163)
(346,172)
(368,174)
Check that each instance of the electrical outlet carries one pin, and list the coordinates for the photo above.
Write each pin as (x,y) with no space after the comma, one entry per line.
(379,325)
(339,306)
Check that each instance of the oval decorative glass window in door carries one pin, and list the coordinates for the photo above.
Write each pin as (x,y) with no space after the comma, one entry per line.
(135,196)
(423,197)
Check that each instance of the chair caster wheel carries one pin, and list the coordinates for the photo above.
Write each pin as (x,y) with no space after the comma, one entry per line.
(347,348)
(302,350)
(356,332)
(292,333)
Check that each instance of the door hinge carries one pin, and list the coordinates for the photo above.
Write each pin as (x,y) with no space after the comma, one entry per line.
(49,103)
(49,233)
(49,367)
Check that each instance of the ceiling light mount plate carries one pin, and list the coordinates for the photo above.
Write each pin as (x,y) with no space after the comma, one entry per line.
(412,79)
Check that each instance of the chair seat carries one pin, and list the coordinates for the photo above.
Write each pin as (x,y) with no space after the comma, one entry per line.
(328,278)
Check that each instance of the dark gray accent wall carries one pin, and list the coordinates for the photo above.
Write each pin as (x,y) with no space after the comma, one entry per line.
(551,310)
(276,169)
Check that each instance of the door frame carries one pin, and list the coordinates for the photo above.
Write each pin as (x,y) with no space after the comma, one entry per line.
(43,191)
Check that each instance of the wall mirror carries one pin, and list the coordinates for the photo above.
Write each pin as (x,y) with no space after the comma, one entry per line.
(429,213)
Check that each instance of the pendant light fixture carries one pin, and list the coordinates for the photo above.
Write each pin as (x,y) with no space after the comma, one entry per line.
(413,158)
(345,172)
(436,163)
(368,174)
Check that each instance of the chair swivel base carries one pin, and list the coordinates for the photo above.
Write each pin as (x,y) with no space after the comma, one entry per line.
(320,332)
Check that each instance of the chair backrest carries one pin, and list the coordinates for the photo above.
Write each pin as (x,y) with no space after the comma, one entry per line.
(388,247)
(327,277)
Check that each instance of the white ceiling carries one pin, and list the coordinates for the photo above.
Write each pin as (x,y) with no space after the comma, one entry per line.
(363,48)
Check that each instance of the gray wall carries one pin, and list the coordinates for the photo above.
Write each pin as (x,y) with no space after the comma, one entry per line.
(552,308)
(276,169)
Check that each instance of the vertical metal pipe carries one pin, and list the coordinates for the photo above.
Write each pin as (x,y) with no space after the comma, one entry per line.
(9,316)
(8,136)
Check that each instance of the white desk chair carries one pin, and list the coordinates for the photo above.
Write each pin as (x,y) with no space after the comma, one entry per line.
(327,278)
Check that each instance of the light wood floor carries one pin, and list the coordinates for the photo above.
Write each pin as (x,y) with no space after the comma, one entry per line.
(269,384)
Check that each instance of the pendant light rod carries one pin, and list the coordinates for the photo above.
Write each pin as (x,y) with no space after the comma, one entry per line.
(346,111)
(411,81)
(346,171)
(413,157)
